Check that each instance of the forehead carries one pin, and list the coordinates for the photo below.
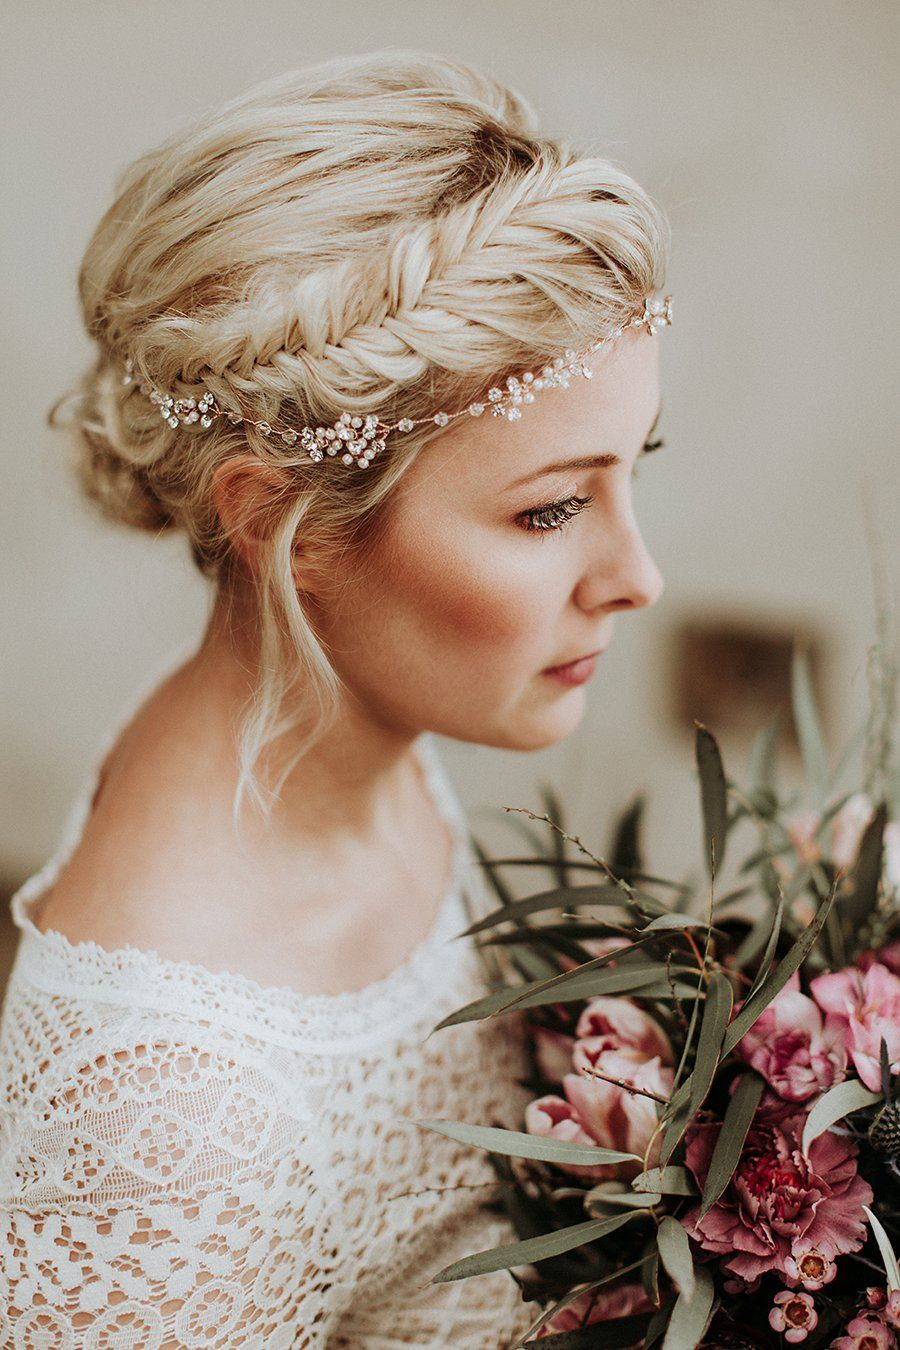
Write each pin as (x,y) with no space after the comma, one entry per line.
(611,411)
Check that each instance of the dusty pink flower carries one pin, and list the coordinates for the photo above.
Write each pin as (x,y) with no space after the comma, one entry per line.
(599,1305)
(602,946)
(891,1312)
(866,1006)
(620,1021)
(875,1297)
(794,1315)
(779,1203)
(596,947)
(848,827)
(845,836)
(865,1333)
(597,1112)
(801,828)
(812,1269)
(552,1117)
(798,1053)
(614,1116)
(847,830)
(553,1053)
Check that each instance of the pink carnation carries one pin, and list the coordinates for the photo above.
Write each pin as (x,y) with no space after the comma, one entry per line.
(779,1204)
(796,1051)
(866,1006)
(599,1305)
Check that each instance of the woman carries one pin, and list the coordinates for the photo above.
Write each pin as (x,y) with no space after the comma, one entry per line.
(215,1043)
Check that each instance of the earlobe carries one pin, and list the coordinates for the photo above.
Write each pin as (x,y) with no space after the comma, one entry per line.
(245,492)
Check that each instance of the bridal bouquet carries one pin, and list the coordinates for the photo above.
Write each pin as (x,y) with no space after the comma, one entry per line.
(711,1155)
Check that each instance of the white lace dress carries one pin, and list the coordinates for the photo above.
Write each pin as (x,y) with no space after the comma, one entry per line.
(191,1159)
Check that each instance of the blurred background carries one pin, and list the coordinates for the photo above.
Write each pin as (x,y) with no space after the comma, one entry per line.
(769,134)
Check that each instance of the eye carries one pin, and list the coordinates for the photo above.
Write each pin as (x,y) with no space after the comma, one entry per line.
(645,450)
(553,516)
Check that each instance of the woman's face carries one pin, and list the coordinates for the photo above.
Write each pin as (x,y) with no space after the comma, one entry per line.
(461,606)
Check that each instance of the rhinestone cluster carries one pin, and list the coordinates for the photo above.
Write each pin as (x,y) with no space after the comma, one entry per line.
(357,439)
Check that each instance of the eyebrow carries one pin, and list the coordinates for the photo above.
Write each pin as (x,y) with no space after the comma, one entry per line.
(606,461)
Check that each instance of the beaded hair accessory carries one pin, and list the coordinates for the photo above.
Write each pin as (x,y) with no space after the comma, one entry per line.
(358,439)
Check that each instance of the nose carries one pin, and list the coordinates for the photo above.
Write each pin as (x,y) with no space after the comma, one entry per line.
(627,578)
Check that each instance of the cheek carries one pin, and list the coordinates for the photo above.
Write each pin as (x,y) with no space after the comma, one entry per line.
(468,593)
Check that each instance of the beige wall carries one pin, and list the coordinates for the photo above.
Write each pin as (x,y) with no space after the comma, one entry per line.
(765,128)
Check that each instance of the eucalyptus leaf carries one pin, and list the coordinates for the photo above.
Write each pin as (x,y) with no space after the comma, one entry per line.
(761,763)
(665,921)
(574,985)
(866,873)
(666,1180)
(738,1117)
(888,1255)
(625,852)
(713,797)
(837,1102)
(758,937)
(719,1002)
(809,731)
(562,897)
(691,1316)
(553,808)
(768,956)
(515,1144)
(532,1249)
(777,978)
(675,1254)
(597,1198)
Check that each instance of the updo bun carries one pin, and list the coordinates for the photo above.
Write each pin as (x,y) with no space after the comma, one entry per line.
(370,234)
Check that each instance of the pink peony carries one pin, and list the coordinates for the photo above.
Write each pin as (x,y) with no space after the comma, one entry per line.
(779,1204)
(866,1006)
(865,1333)
(620,1021)
(552,1117)
(597,1112)
(789,1046)
(599,1305)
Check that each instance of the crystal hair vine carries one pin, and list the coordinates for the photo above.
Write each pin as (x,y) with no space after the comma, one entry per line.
(359,438)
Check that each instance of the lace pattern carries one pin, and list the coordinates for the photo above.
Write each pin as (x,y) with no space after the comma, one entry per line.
(188,1158)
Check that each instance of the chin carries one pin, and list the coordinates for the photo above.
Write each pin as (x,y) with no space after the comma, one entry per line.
(538,731)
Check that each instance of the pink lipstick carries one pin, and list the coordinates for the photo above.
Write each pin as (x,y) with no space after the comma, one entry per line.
(576,672)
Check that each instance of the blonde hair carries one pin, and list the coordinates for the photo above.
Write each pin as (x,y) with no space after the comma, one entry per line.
(369,234)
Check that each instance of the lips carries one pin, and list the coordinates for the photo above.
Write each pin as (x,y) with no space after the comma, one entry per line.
(574,660)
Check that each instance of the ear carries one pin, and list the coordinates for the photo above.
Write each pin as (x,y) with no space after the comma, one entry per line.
(248,495)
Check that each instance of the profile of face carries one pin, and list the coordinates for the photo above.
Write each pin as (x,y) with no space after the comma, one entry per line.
(465,601)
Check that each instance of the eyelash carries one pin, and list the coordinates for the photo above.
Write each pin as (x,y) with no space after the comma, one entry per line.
(555,515)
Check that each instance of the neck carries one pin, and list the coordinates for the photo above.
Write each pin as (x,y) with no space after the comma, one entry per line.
(358,782)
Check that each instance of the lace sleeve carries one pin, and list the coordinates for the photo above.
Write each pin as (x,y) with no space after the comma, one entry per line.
(160,1194)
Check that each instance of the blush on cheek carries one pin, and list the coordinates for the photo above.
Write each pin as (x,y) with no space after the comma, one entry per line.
(469,604)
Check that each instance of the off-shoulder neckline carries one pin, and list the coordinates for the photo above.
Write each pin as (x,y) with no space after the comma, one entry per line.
(114,973)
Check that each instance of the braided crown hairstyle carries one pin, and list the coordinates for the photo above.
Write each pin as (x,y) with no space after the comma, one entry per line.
(375,233)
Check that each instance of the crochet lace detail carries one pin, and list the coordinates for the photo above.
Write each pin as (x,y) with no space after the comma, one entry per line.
(189,1158)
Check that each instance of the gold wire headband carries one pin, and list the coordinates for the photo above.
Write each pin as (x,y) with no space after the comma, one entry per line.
(358,439)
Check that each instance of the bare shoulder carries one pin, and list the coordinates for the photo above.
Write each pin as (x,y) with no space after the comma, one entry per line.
(149,839)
